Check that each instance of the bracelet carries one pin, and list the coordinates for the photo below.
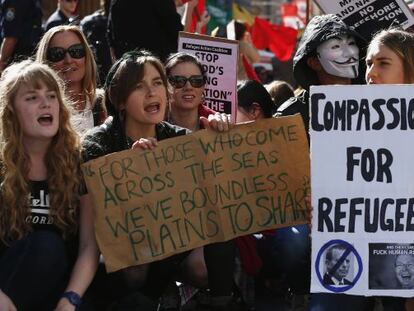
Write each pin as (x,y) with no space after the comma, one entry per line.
(73,298)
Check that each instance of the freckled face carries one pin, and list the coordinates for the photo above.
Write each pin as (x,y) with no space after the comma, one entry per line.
(37,111)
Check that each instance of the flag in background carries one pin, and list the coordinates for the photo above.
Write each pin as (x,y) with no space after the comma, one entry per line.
(220,15)
(289,9)
(279,39)
(250,72)
(290,16)
(242,14)
(198,11)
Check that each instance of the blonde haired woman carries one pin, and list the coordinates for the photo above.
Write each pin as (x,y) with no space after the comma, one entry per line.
(66,50)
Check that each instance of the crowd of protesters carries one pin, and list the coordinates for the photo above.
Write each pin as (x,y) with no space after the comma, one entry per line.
(80,96)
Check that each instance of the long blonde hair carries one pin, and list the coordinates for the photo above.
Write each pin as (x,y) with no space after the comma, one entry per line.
(89,80)
(62,158)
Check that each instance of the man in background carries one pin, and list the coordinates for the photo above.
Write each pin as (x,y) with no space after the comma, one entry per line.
(152,25)
(65,14)
(21,29)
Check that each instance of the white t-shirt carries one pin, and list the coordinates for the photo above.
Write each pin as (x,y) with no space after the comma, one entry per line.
(82,121)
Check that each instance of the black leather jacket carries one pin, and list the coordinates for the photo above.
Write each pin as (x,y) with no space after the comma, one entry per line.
(110,137)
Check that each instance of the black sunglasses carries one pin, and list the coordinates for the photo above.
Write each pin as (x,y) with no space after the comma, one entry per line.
(179,81)
(56,54)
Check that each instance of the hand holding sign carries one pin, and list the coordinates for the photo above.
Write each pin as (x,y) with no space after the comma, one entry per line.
(199,189)
(145,143)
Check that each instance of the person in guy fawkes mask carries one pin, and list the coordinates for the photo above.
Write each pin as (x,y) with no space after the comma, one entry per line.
(328,53)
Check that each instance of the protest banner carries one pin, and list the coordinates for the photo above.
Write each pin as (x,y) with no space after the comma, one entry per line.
(198,189)
(369,16)
(219,58)
(362,189)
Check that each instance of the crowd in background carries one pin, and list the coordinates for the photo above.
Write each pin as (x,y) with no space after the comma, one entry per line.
(114,81)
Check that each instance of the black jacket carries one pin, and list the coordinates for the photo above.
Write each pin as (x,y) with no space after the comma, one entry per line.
(150,24)
(327,280)
(109,137)
(56,19)
(21,19)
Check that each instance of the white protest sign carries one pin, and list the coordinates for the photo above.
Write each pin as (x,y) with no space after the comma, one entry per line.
(369,16)
(219,59)
(362,185)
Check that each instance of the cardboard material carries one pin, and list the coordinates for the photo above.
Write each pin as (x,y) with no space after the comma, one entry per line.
(199,189)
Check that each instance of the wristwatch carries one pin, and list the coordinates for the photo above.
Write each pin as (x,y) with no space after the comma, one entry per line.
(73,298)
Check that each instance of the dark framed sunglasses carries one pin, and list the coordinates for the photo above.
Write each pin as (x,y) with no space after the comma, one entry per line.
(179,81)
(56,54)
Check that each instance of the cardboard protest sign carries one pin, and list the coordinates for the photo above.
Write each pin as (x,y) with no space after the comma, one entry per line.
(369,16)
(362,189)
(198,189)
(219,58)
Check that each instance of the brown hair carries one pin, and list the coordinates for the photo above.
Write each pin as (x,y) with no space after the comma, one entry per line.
(401,43)
(62,158)
(125,75)
(182,57)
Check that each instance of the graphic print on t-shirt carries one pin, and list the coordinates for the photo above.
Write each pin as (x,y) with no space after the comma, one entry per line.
(39,205)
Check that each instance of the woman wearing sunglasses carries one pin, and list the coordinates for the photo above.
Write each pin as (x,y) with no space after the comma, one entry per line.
(187,79)
(66,50)
(186,109)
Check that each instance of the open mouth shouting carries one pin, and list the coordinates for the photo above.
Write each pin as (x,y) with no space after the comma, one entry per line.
(45,119)
(152,108)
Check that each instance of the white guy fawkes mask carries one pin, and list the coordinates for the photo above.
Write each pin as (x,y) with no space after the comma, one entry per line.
(339,56)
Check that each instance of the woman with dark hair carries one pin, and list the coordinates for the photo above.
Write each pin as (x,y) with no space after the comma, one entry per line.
(137,97)
(280,91)
(253,101)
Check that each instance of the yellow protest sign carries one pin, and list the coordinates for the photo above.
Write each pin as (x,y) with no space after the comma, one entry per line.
(198,189)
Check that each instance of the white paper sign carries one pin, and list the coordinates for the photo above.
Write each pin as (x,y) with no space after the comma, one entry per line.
(362,189)
(369,16)
(219,59)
